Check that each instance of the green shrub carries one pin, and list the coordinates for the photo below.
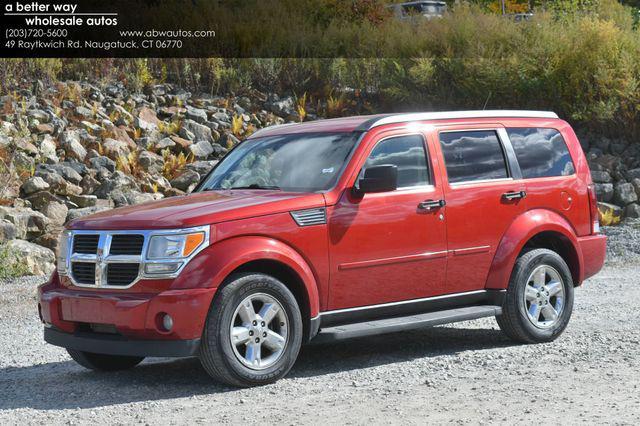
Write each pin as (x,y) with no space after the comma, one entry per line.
(10,264)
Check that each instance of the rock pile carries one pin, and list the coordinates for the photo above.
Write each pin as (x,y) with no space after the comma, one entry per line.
(75,148)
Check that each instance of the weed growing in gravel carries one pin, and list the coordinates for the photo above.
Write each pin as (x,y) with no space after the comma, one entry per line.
(10,264)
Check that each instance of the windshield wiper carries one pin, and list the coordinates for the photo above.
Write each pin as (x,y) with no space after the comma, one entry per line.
(257,186)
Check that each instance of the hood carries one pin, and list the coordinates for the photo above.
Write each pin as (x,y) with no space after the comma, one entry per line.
(197,209)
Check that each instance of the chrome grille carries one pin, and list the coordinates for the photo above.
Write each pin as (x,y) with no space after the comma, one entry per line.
(117,259)
(84,272)
(125,244)
(85,243)
(122,274)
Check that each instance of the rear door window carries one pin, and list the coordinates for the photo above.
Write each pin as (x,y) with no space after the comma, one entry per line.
(541,152)
(473,155)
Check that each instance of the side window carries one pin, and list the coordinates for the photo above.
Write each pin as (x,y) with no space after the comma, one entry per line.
(473,155)
(541,152)
(405,152)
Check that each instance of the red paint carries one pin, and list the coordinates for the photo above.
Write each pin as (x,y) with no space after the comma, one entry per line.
(374,249)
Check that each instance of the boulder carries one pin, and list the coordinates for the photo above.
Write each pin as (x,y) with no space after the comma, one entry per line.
(67,170)
(39,260)
(150,162)
(117,180)
(604,192)
(102,161)
(633,174)
(48,150)
(632,211)
(70,142)
(609,214)
(283,107)
(29,223)
(200,132)
(83,200)
(39,115)
(154,183)
(147,119)
(204,167)
(50,240)
(129,198)
(201,150)
(33,185)
(74,214)
(89,184)
(8,231)
(186,181)
(58,185)
(84,112)
(636,186)
(114,148)
(183,144)
(624,194)
(173,192)
(164,143)
(44,129)
(600,176)
(196,114)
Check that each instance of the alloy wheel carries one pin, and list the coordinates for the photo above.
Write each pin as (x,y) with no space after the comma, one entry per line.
(544,297)
(259,331)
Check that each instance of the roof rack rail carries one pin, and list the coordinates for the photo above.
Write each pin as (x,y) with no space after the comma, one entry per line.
(450,115)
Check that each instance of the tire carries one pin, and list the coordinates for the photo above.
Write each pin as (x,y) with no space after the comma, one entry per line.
(518,311)
(101,362)
(233,312)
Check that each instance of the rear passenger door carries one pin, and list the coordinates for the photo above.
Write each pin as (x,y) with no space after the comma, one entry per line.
(549,173)
(484,193)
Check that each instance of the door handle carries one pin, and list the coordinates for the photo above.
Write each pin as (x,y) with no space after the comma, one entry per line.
(514,195)
(430,205)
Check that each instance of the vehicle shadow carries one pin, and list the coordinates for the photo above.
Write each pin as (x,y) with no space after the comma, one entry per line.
(65,385)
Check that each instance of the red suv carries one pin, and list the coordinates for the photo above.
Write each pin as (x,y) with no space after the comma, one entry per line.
(334,229)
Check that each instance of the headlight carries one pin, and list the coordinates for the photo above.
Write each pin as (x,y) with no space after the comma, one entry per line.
(177,246)
(63,252)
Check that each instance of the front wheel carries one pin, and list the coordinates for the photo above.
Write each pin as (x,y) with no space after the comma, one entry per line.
(253,332)
(539,298)
(101,362)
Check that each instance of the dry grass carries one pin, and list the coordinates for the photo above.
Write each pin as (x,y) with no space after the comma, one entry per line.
(174,164)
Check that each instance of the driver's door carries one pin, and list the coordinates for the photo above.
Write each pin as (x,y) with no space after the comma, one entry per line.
(386,247)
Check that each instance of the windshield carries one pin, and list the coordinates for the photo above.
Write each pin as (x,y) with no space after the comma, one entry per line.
(297,163)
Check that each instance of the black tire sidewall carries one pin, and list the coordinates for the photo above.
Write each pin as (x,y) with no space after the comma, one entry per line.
(231,296)
(548,258)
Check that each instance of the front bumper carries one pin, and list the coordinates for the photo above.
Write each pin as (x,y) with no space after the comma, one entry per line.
(124,323)
(118,345)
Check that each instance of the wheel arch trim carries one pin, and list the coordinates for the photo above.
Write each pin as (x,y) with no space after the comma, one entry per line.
(520,232)
(223,258)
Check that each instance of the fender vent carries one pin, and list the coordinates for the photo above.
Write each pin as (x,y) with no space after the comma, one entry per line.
(310,217)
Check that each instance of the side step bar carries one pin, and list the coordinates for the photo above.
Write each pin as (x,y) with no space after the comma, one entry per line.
(412,322)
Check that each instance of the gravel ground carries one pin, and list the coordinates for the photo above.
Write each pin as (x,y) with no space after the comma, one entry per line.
(467,373)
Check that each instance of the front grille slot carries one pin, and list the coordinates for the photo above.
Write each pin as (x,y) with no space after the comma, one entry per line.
(122,274)
(126,245)
(85,244)
(84,272)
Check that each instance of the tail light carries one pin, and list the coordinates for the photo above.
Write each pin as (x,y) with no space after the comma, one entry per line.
(593,207)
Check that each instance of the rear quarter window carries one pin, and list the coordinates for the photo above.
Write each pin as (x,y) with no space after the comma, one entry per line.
(541,152)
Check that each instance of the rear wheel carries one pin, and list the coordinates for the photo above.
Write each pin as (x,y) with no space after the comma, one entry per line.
(253,332)
(103,362)
(539,299)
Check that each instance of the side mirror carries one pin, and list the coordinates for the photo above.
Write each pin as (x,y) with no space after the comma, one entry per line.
(382,178)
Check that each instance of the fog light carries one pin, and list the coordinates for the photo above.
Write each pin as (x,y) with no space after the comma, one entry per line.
(162,268)
(167,322)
